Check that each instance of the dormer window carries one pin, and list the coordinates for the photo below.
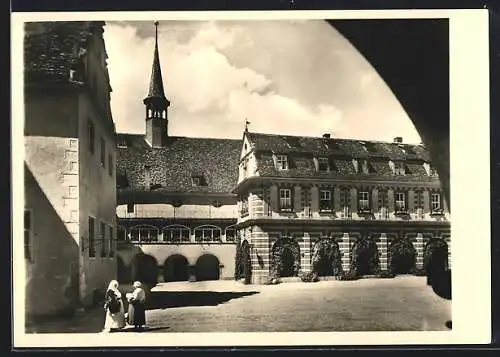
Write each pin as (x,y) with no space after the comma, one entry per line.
(282,162)
(399,168)
(366,167)
(323,164)
(121,143)
(432,171)
(197,180)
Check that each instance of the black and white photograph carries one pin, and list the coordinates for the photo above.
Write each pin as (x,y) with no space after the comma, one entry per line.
(251,178)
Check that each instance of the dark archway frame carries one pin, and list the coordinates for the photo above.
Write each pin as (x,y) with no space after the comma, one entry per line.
(326,249)
(277,256)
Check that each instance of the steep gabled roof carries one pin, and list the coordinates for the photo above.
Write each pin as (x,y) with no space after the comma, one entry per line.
(173,167)
(52,49)
(351,148)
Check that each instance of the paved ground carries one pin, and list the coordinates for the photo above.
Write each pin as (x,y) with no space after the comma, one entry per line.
(404,303)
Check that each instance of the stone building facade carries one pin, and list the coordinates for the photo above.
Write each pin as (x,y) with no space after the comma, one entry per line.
(70,181)
(337,207)
(175,208)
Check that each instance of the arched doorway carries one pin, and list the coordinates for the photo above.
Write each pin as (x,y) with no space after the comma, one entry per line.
(365,257)
(435,258)
(326,259)
(176,268)
(244,262)
(285,258)
(207,268)
(145,269)
(122,271)
(403,257)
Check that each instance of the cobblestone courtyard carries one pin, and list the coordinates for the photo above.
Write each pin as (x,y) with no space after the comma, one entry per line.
(404,303)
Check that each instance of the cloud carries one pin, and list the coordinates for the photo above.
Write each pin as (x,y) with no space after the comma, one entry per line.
(216,74)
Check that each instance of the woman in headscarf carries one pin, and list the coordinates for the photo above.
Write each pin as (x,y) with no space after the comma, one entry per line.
(113,304)
(136,306)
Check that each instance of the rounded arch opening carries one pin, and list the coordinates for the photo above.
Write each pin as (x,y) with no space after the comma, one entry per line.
(122,271)
(207,268)
(403,257)
(365,257)
(285,258)
(176,268)
(144,268)
(326,258)
(243,262)
(435,258)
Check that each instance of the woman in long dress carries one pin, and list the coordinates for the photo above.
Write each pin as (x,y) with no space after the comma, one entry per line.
(115,312)
(136,307)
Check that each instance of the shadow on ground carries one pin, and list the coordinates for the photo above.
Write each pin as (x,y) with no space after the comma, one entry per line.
(167,299)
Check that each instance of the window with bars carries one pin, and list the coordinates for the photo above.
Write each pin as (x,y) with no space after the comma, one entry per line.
(400,198)
(111,248)
(364,201)
(28,231)
(282,162)
(103,152)
(175,234)
(325,200)
(110,164)
(91,237)
(144,234)
(285,199)
(91,135)
(102,233)
(436,202)
(207,234)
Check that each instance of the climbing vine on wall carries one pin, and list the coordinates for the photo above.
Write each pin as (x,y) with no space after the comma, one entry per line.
(402,257)
(326,249)
(364,258)
(435,256)
(243,264)
(277,256)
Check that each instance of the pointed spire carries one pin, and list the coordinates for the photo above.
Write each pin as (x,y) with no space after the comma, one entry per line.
(156,83)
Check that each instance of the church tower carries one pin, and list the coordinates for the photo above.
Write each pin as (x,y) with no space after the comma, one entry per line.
(156,103)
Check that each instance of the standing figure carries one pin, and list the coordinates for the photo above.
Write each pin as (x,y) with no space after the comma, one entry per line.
(115,313)
(136,307)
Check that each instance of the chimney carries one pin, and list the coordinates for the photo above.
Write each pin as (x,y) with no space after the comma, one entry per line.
(398,140)
(326,136)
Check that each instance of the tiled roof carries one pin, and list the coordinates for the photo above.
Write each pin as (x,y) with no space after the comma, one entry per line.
(341,152)
(51,49)
(173,167)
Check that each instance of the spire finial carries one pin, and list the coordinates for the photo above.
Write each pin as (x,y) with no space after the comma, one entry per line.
(156,32)
(247,123)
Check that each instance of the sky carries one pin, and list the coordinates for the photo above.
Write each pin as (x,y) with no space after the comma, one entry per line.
(297,77)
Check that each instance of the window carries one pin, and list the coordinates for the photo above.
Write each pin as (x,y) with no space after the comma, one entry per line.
(102,233)
(282,161)
(432,171)
(325,200)
(366,168)
(103,152)
(400,202)
(110,241)
(230,234)
(28,229)
(244,206)
(436,202)
(130,208)
(285,199)
(207,234)
(121,234)
(144,234)
(91,136)
(91,237)
(122,142)
(364,201)
(323,164)
(399,168)
(176,233)
(110,164)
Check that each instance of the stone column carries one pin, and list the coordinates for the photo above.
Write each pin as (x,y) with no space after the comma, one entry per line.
(418,244)
(345,250)
(260,255)
(305,253)
(382,247)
